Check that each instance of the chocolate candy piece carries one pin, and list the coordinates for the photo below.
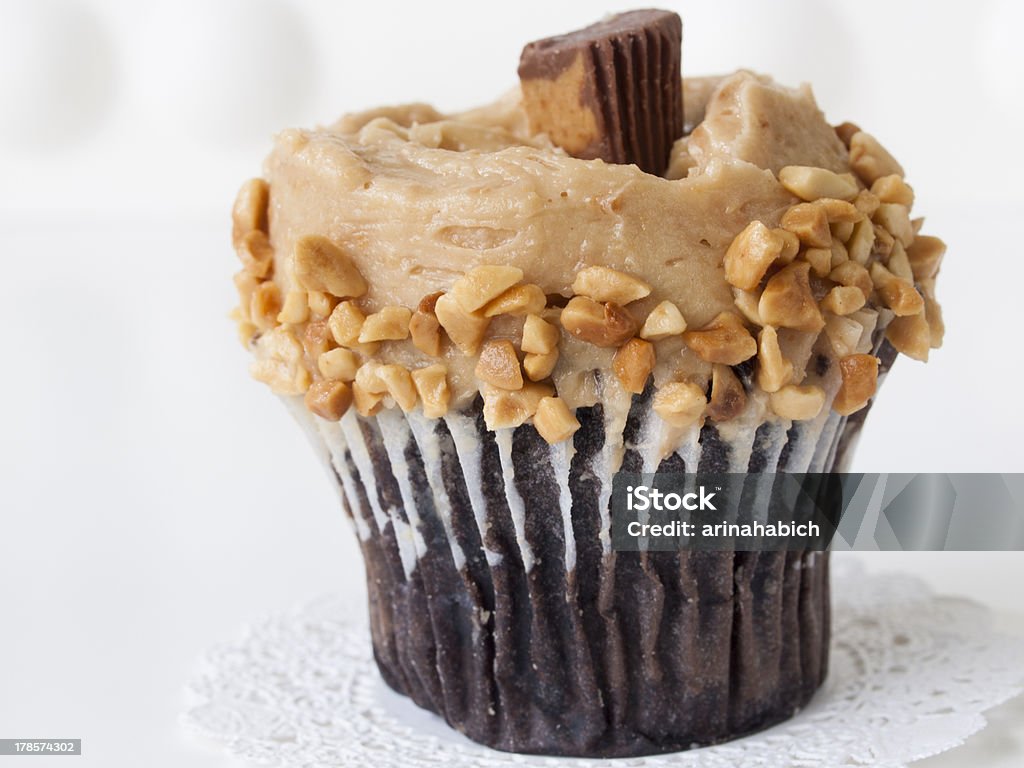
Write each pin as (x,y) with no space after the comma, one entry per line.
(612,90)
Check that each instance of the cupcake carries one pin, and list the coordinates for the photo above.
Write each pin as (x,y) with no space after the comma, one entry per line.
(481,318)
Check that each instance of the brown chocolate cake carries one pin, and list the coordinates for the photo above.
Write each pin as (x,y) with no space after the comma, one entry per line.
(481,318)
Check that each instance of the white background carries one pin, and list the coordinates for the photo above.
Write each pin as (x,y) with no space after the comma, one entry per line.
(153,499)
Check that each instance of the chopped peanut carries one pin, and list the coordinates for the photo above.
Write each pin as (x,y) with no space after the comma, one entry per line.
(604,284)
(798,403)
(432,386)
(320,265)
(933,312)
(665,320)
(517,301)
(925,256)
(787,301)
(369,381)
(893,189)
(539,366)
(746,302)
(899,262)
(728,398)
(265,306)
(839,211)
(751,253)
(633,364)
(250,211)
(810,183)
(390,324)
(499,365)
(466,330)
(316,339)
(554,421)
(321,304)
(884,242)
(424,328)
(808,222)
(295,309)
(839,254)
(246,285)
(897,293)
(346,323)
(505,408)
(329,398)
(790,246)
(609,325)
(860,379)
(861,242)
(896,219)
(399,384)
(255,253)
(843,299)
(367,403)
(845,132)
(680,403)
(724,340)
(850,273)
(870,160)
(338,363)
(841,230)
(843,334)
(911,335)
(482,284)
(278,362)
(773,370)
(820,260)
(866,202)
(540,337)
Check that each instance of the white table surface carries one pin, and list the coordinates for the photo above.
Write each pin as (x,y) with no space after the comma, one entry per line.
(153,500)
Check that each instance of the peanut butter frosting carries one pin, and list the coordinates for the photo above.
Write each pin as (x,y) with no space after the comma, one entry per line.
(405,258)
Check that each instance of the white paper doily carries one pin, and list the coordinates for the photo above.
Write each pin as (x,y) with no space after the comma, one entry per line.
(910,675)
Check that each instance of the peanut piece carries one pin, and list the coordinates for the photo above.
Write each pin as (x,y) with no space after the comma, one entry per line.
(466,330)
(367,403)
(728,398)
(884,241)
(338,363)
(724,340)
(925,256)
(316,339)
(278,362)
(482,284)
(390,324)
(843,334)
(680,403)
(896,219)
(329,398)
(665,320)
(861,242)
(897,293)
(424,328)
(841,230)
(809,223)
(250,210)
(255,253)
(633,364)
(320,265)
(820,260)
(539,366)
(746,302)
(773,370)
(321,304)
(554,421)
(843,299)
(604,284)
(539,336)
(517,301)
(866,202)
(499,365)
(504,408)
(839,211)
(265,306)
(899,262)
(295,309)
(850,273)
(787,301)
(750,254)
(845,132)
(609,325)
(860,379)
(911,336)
(399,384)
(346,323)
(432,386)
(810,183)
(893,189)
(870,160)
(790,246)
(933,313)
(798,403)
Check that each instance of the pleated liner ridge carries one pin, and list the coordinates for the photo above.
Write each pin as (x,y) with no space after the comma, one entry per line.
(497,603)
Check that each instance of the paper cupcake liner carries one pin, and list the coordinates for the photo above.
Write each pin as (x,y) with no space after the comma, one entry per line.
(497,602)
